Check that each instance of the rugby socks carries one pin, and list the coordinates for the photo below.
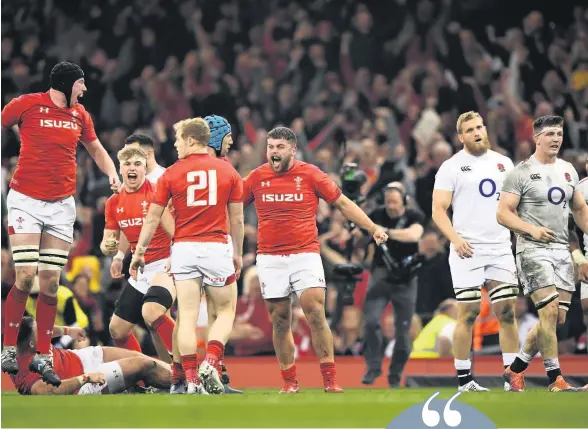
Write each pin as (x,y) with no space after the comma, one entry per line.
(328,372)
(508,359)
(521,362)
(464,371)
(129,343)
(214,352)
(289,375)
(46,311)
(190,365)
(13,312)
(164,326)
(178,374)
(552,369)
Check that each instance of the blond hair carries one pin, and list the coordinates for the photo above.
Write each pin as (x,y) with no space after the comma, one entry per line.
(197,128)
(464,117)
(129,152)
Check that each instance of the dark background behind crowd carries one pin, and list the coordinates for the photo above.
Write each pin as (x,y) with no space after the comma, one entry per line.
(380,83)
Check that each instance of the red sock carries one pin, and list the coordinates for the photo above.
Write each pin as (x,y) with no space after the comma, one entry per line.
(164,326)
(13,312)
(328,371)
(190,365)
(289,375)
(214,352)
(46,311)
(219,365)
(178,373)
(129,343)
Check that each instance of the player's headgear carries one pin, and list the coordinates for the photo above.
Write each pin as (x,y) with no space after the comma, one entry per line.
(63,76)
(219,128)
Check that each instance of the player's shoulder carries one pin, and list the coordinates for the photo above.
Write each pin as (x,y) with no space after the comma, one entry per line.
(583,182)
(259,172)
(565,164)
(34,98)
(499,157)
(114,198)
(455,159)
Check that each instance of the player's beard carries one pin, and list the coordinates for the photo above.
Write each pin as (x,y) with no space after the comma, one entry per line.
(478,148)
(282,165)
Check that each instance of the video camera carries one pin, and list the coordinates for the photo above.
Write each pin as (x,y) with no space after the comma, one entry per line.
(403,270)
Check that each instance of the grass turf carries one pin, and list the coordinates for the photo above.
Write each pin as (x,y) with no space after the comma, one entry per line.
(358,408)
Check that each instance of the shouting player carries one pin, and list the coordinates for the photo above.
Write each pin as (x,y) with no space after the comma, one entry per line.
(481,250)
(41,206)
(535,203)
(87,371)
(124,213)
(286,193)
(161,292)
(202,189)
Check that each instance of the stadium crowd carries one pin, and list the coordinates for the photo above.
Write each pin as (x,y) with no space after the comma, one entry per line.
(376,83)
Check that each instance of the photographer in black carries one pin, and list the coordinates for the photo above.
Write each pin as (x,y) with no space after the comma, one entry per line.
(393,279)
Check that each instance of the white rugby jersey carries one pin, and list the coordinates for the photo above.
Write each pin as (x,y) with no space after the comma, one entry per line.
(583,188)
(154,176)
(476,182)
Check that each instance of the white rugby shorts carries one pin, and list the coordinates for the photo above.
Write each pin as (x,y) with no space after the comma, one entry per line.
(28,215)
(145,278)
(211,261)
(498,265)
(93,361)
(280,275)
(541,267)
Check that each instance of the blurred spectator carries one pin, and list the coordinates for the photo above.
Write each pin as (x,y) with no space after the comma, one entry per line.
(436,338)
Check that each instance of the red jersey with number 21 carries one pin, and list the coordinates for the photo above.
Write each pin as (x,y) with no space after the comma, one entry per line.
(49,137)
(200,187)
(286,205)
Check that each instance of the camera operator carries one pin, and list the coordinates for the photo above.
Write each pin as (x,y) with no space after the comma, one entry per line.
(393,279)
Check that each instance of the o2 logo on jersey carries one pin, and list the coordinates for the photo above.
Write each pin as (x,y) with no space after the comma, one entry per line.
(426,415)
(556,196)
(125,223)
(51,123)
(488,188)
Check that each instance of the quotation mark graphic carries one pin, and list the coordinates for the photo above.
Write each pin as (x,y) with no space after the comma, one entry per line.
(431,418)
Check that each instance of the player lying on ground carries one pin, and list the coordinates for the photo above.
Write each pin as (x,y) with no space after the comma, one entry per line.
(124,213)
(535,203)
(203,190)
(286,194)
(89,371)
(481,254)
(41,206)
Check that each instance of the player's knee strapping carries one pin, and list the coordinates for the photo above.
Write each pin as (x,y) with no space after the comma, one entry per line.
(468,295)
(565,305)
(159,295)
(26,255)
(52,259)
(503,292)
(546,301)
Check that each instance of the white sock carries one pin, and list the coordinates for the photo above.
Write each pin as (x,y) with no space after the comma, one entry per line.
(508,358)
(525,357)
(462,364)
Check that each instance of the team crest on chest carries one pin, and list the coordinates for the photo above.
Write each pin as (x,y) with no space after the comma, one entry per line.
(298,181)
(144,204)
(568,177)
(501,168)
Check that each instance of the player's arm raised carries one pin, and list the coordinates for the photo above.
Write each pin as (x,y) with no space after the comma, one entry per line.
(507,216)
(441,201)
(356,215)
(104,162)
(69,386)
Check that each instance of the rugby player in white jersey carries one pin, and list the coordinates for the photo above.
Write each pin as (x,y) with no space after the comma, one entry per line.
(481,253)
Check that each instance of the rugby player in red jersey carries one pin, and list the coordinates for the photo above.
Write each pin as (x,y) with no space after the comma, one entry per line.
(88,371)
(286,193)
(203,191)
(124,213)
(41,207)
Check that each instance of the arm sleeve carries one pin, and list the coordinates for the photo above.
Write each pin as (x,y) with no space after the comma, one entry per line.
(13,111)
(237,190)
(418,218)
(324,187)
(109,211)
(248,190)
(88,132)
(162,191)
(513,183)
(446,178)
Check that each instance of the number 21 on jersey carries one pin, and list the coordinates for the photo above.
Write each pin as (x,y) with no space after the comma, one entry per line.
(202,180)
